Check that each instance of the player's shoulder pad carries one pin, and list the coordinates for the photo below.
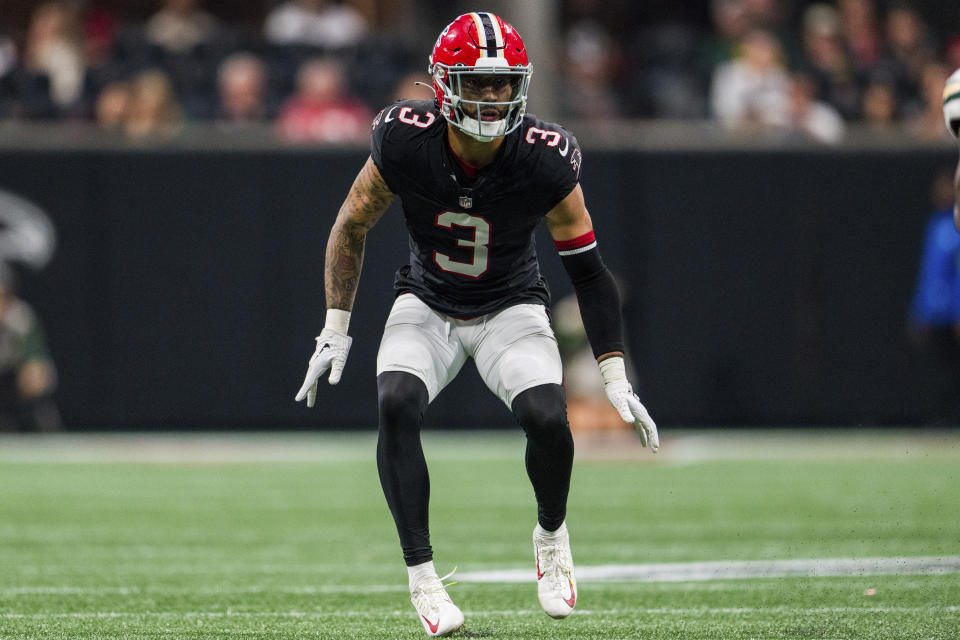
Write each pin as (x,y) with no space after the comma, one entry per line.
(551,145)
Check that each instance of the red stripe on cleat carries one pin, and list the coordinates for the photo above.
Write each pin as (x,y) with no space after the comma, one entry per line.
(433,627)
(573,595)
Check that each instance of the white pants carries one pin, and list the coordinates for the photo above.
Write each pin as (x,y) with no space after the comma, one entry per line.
(514,348)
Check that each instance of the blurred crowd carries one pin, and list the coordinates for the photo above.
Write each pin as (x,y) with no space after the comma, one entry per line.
(316,70)
(76,61)
(803,69)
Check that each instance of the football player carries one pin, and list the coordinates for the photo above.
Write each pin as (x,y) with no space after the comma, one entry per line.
(951,115)
(475,175)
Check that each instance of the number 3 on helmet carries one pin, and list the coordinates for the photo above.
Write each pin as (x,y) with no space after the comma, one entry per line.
(474,46)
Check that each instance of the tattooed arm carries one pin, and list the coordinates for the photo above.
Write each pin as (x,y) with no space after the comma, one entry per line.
(369,197)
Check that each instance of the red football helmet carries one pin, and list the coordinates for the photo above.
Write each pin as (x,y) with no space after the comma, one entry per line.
(476,51)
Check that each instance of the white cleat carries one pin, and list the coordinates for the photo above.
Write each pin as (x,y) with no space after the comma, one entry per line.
(439,616)
(556,586)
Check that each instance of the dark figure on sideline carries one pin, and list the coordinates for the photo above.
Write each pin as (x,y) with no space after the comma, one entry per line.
(27,374)
(935,309)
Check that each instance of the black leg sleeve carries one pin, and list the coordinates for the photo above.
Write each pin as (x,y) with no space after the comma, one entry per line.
(403,398)
(542,412)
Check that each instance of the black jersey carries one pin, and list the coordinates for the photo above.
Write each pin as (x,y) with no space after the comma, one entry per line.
(472,248)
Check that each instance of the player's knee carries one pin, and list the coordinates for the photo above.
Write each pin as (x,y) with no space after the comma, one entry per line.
(402,399)
(542,411)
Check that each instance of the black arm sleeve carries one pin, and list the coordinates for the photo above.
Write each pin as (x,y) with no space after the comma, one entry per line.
(599,300)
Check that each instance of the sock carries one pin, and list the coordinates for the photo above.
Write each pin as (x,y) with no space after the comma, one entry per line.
(419,571)
(550,536)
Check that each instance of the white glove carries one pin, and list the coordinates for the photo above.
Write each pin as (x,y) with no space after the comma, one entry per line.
(333,345)
(626,402)
(951,103)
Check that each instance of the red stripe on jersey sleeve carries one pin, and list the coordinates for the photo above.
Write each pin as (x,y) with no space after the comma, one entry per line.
(575,243)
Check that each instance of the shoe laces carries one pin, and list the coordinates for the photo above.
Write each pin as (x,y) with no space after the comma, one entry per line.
(429,593)
(556,563)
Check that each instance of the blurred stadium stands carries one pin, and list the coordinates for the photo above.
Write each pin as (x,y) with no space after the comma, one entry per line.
(826,67)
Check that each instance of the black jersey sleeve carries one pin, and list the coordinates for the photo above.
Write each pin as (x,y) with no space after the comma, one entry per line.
(556,156)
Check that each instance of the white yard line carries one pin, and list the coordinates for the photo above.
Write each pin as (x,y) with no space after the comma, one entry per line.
(663,573)
(306,590)
(695,571)
(692,611)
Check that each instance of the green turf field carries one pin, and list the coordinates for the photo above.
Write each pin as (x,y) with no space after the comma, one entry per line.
(288,536)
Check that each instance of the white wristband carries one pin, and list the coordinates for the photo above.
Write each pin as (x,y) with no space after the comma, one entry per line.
(613,370)
(337,320)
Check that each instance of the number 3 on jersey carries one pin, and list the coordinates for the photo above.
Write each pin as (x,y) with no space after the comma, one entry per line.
(479,243)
